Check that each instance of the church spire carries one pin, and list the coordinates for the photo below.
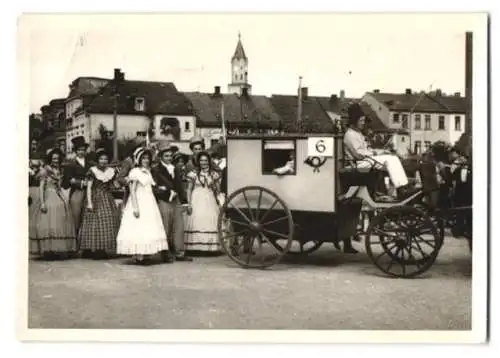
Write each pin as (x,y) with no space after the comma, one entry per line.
(239,53)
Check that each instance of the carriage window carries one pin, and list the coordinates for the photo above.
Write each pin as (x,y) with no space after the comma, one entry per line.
(278,157)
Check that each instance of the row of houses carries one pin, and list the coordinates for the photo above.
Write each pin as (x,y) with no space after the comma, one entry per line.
(415,120)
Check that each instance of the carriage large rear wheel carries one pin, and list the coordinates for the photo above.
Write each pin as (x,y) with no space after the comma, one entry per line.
(251,222)
(403,241)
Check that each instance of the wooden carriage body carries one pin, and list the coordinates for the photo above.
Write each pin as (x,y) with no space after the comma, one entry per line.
(306,189)
(309,191)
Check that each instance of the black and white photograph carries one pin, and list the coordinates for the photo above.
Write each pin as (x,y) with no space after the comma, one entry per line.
(256,174)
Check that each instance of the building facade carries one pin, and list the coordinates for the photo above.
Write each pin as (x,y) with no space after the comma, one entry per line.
(428,117)
(142,107)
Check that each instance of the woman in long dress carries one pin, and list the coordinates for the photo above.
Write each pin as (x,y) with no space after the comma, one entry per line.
(203,208)
(101,218)
(35,165)
(141,232)
(52,231)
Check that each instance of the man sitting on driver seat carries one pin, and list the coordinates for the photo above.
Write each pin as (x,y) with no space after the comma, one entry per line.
(358,151)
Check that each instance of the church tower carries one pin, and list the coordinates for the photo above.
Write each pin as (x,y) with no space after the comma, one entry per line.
(239,71)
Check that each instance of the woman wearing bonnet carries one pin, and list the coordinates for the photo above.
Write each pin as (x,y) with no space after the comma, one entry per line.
(101,217)
(141,232)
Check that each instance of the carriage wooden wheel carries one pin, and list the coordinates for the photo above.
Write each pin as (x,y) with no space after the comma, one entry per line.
(251,222)
(403,241)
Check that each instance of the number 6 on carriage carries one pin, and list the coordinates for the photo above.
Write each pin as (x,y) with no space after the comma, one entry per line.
(320,147)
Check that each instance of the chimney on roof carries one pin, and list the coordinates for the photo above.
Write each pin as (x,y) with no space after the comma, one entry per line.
(438,93)
(118,75)
(304,92)
(457,94)
(376,91)
(342,94)
(334,98)
(244,92)
(408,91)
(217,90)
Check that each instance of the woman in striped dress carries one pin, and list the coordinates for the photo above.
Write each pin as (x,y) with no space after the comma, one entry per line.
(52,231)
(101,218)
(203,208)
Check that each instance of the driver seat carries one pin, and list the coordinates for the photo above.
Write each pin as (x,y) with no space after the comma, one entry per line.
(351,175)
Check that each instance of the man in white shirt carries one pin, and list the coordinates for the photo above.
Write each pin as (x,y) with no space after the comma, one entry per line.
(358,151)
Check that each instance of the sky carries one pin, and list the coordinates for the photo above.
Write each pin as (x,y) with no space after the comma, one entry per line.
(332,52)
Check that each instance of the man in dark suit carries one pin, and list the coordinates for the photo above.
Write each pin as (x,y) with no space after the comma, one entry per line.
(75,173)
(172,200)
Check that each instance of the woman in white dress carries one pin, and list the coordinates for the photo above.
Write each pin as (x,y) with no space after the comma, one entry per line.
(141,232)
(203,208)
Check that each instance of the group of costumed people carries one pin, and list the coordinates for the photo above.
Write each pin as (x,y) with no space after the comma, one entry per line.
(170,206)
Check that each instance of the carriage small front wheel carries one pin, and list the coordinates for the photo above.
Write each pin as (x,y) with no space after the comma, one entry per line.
(251,222)
(403,241)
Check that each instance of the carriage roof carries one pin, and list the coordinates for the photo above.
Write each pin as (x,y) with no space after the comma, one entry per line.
(282,136)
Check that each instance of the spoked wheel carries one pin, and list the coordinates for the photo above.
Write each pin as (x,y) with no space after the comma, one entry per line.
(251,223)
(403,241)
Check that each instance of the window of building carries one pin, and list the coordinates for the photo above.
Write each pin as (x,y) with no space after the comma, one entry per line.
(141,133)
(278,154)
(427,145)
(187,126)
(458,123)
(441,125)
(403,139)
(395,117)
(427,122)
(418,122)
(404,123)
(139,104)
(418,147)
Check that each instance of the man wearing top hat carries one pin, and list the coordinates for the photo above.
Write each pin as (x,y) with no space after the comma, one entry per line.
(171,196)
(75,173)
(197,145)
(358,151)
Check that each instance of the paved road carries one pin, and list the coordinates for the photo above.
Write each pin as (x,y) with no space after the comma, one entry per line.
(327,290)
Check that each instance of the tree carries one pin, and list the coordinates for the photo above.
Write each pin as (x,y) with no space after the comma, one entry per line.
(125,146)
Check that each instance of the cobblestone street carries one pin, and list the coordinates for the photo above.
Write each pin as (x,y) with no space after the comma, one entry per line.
(327,290)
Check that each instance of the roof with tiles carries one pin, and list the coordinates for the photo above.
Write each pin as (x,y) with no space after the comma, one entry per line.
(87,86)
(421,102)
(335,104)
(159,98)
(376,124)
(247,110)
(314,117)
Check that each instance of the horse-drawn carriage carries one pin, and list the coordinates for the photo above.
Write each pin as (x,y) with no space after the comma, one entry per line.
(270,212)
